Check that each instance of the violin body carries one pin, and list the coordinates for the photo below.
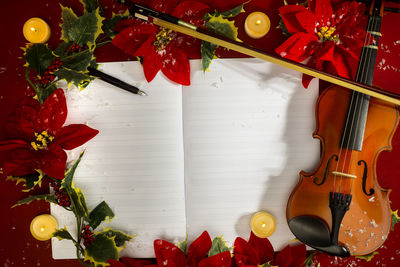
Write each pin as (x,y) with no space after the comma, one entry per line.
(367,221)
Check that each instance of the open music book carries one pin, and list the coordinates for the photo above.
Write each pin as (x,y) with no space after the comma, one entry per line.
(187,159)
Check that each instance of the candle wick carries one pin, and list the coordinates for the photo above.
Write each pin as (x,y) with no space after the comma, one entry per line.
(42,229)
(258,22)
(33,29)
(263,225)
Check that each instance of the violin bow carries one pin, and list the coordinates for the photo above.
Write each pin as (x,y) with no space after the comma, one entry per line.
(167,21)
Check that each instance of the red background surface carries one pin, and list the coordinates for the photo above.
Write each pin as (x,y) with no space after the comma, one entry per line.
(19,248)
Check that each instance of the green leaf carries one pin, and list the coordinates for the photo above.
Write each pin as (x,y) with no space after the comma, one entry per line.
(69,175)
(234,11)
(120,237)
(102,249)
(79,61)
(38,57)
(109,24)
(63,234)
(308,261)
(91,5)
(395,219)
(207,54)
(48,197)
(83,30)
(79,202)
(29,181)
(183,246)
(222,26)
(218,246)
(99,214)
(282,26)
(62,49)
(45,91)
(368,257)
(73,77)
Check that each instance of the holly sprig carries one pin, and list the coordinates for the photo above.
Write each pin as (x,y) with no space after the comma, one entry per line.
(219,23)
(92,245)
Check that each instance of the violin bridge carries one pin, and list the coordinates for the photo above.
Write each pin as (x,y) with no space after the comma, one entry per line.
(347,175)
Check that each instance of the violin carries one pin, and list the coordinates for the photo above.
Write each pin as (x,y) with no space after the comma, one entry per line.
(340,208)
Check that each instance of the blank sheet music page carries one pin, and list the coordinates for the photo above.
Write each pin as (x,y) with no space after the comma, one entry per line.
(136,161)
(247,134)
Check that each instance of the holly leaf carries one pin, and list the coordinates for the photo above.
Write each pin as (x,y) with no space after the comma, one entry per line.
(38,57)
(120,237)
(63,234)
(91,5)
(218,246)
(99,214)
(29,181)
(78,198)
(69,175)
(395,219)
(109,24)
(83,30)
(77,78)
(368,257)
(45,91)
(222,26)
(80,61)
(102,249)
(62,49)
(48,197)
(234,11)
(207,54)
(183,246)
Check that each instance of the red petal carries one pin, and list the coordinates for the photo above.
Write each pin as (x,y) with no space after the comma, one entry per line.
(74,135)
(165,6)
(52,161)
(263,247)
(131,39)
(20,161)
(307,20)
(53,112)
(9,145)
(131,22)
(325,51)
(220,260)
(299,255)
(175,66)
(191,11)
(199,248)
(189,45)
(152,63)
(115,263)
(135,263)
(168,254)
(244,253)
(322,10)
(284,257)
(306,80)
(288,14)
(298,47)
(26,120)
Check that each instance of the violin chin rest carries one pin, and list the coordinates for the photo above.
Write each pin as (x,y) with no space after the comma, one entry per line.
(311,231)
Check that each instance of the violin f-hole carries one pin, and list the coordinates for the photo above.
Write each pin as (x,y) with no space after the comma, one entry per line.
(326,170)
(364,179)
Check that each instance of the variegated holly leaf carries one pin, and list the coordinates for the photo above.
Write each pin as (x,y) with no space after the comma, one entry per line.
(29,181)
(62,49)
(368,257)
(207,54)
(77,78)
(218,246)
(120,237)
(102,249)
(69,175)
(48,197)
(100,214)
(395,219)
(45,91)
(79,61)
(91,5)
(234,11)
(109,24)
(63,234)
(183,246)
(82,30)
(38,57)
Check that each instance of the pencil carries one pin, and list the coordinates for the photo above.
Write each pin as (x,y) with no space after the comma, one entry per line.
(114,81)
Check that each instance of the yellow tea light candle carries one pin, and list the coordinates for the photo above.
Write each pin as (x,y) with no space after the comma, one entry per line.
(257,25)
(263,224)
(43,227)
(36,30)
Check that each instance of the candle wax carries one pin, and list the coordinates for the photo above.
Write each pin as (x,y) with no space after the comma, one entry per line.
(257,25)
(43,226)
(263,224)
(36,30)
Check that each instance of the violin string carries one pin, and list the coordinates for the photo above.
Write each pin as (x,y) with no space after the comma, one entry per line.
(370,52)
(357,116)
(347,121)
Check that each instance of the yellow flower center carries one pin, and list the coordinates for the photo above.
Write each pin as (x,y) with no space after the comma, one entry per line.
(163,38)
(325,33)
(42,140)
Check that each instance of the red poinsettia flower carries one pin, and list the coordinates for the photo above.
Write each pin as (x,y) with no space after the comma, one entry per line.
(169,255)
(128,262)
(258,251)
(163,49)
(38,137)
(331,36)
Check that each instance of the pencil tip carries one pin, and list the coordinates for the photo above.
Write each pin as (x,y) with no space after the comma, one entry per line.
(142,93)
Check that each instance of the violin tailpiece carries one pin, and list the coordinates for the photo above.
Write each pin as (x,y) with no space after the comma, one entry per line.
(339,204)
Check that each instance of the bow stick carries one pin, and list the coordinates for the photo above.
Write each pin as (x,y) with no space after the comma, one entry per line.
(175,24)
